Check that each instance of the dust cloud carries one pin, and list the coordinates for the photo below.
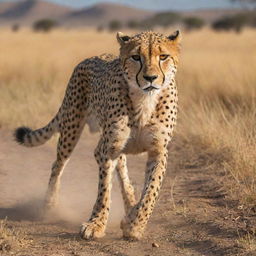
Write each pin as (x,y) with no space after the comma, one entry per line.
(24,176)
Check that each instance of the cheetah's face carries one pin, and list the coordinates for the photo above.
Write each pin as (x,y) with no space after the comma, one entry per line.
(149,59)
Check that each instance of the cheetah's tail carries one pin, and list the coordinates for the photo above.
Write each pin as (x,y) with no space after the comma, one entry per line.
(29,138)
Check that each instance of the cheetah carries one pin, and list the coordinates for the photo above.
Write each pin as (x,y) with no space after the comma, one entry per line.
(134,100)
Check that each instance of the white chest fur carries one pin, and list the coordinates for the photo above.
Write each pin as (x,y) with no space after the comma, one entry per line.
(144,105)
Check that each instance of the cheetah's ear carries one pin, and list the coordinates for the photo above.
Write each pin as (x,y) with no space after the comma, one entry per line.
(176,36)
(122,38)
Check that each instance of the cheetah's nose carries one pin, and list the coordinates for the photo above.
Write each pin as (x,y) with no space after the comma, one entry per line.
(150,78)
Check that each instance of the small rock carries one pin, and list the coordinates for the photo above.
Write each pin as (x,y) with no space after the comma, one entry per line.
(155,245)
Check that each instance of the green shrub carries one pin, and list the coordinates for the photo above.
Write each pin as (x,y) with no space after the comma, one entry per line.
(132,24)
(114,25)
(100,28)
(163,19)
(15,27)
(235,22)
(44,25)
(251,18)
(192,23)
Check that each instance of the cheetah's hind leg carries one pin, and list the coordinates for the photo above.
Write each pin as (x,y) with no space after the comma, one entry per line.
(66,145)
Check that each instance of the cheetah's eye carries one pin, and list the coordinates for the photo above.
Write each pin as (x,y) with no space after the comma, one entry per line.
(164,56)
(136,57)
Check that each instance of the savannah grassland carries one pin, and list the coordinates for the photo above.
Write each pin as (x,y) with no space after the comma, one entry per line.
(217,113)
(216,80)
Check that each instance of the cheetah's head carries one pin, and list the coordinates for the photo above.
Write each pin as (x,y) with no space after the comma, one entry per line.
(149,59)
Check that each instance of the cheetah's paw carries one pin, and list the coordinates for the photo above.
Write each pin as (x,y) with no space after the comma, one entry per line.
(91,230)
(130,231)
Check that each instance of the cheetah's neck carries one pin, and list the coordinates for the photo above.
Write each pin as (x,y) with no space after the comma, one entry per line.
(143,105)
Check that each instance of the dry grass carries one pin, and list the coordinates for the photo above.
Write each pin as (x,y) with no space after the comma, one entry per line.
(11,239)
(217,82)
(35,68)
(248,242)
(218,91)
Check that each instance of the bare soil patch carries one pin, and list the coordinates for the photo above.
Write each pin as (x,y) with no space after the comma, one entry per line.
(194,215)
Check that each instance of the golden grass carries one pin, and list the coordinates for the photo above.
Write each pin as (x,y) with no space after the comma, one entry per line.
(11,239)
(217,84)
(35,68)
(218,102)
(248,242)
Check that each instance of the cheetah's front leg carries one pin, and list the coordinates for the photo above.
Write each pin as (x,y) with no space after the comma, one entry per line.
(95,227)
(125,184)
(134,224)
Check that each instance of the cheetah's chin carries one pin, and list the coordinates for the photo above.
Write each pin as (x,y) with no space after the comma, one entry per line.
(150,88)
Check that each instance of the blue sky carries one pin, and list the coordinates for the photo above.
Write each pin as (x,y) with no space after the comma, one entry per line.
(153,4)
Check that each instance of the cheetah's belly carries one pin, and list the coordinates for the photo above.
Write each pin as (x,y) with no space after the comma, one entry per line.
(138,142)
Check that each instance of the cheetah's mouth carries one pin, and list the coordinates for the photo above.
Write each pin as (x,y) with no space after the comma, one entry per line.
(150,88)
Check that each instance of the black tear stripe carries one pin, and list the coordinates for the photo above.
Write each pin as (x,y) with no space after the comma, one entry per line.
(174,63)
(125,61)
(162,72)
(137,79)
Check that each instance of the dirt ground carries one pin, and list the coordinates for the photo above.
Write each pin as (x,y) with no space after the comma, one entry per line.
(194,215)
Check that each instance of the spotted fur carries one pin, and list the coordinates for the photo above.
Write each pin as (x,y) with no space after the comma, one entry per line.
(133,97)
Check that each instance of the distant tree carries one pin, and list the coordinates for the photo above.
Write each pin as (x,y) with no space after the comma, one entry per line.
(114,25)
(100,28)
(44,25)
(15,27)
(133,24)
(251,16)
(192,23)
(235,22)
(163,19)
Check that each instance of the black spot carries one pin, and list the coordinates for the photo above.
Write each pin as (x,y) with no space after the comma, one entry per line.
(20,134)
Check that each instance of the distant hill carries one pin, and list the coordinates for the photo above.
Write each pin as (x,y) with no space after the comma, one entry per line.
(5,6)
(102,14)
(26,12)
